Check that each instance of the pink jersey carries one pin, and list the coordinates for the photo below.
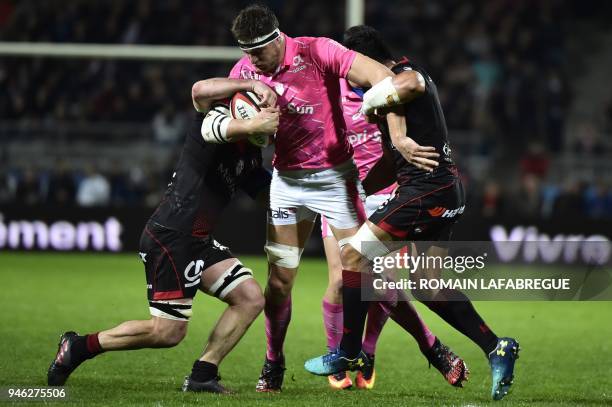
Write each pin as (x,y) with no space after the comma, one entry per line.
(363,136)
(312,133)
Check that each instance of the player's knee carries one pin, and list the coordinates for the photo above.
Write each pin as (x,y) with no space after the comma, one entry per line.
(334,287)
(350,257)
(282,255)
(280,283)
(168,334)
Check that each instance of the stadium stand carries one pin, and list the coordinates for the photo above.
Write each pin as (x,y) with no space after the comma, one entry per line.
(502,69)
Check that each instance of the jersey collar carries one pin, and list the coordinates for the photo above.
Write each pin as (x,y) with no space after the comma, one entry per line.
(291,50)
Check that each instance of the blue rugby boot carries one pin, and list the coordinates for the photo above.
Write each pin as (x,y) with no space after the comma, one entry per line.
(336,361)
(501,360)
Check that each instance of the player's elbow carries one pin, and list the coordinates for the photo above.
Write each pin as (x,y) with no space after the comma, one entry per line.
(199,91)
(409,84)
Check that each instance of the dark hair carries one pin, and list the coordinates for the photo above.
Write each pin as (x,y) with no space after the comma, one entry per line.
(252,22)
(367,41)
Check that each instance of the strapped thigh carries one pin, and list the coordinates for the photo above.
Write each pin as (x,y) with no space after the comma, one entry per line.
(230,279)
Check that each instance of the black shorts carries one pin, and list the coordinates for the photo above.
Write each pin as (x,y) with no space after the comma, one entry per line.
(423,211)
(174,261)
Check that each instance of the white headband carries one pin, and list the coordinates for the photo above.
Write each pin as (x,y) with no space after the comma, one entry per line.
(259,41)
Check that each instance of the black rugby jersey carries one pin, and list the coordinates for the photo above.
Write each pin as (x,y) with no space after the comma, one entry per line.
(205,179)
(426,125)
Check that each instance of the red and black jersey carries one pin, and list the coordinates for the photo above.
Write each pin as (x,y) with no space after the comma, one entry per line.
(426,125)
(205,179)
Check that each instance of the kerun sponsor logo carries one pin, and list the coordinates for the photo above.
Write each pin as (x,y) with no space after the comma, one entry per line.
(61,235)
(526,243)
(294,109)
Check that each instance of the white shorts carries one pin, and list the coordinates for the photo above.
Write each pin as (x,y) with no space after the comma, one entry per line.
(372,202)
(335,193)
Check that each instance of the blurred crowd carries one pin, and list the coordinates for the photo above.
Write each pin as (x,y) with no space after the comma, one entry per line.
(535,195)
(90,186)
(532,196)
(501,66)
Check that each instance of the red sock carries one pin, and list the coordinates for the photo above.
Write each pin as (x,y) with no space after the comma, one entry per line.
(93,344)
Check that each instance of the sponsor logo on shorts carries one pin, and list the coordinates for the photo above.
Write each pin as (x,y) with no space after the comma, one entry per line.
(219,245)
(193,272)
(280,213)
(383,205)
(143,256)
(442,212)
(446,149)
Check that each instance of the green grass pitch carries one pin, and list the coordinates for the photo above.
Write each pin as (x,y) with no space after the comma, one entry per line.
(566,355)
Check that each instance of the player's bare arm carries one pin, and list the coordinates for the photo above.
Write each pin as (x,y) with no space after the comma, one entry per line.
(409,85)
(422,157)
(383,93)
(367,72)
(402,88)
(207,91)
(218,126)
(265,123)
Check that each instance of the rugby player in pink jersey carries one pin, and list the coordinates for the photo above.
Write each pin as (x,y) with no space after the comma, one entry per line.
(313,168)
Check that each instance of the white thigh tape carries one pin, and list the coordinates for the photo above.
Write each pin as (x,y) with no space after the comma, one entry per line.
(177,311)
(229,280)
(366,243)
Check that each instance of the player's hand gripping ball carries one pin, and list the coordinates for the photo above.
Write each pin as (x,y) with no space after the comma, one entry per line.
(244,106)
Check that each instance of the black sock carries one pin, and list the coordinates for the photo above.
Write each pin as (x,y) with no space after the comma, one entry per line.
(85,347)
(355,311)
(203,371)
(456,309)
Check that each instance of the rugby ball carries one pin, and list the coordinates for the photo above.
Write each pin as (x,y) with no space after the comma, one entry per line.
(244,106)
